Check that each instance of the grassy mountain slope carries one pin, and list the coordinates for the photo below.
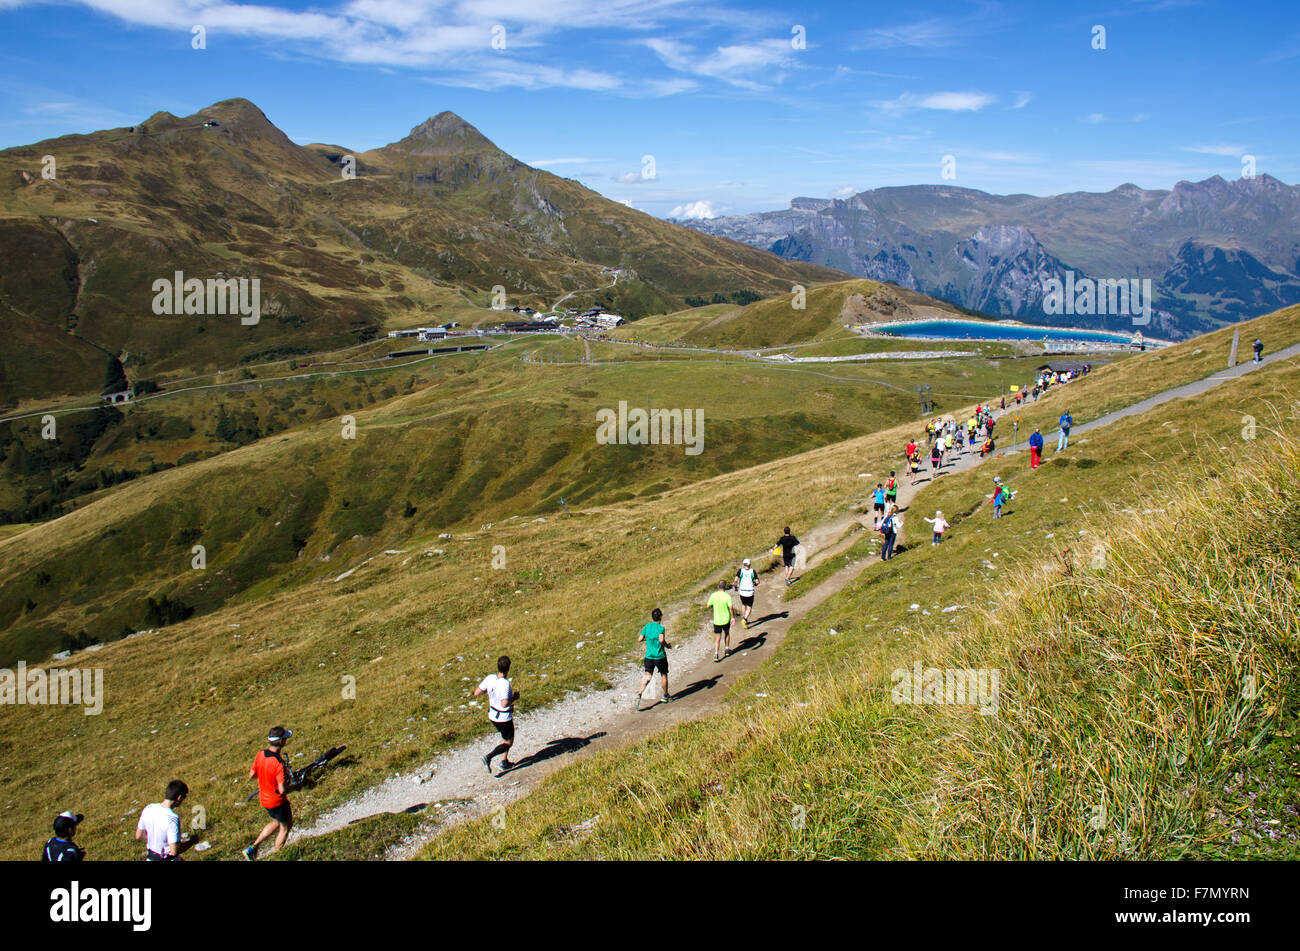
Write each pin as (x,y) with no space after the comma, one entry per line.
(1126,599)
(224,193)
(446,445)
(405,612)
(826,311)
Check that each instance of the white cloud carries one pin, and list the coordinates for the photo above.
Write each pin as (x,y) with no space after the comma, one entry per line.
(546,163)
(450,38)
(629,178)
(736,65)
(1232,150)
(942,101)
(1095,118)
(1022,100)
(693,210)
(844,191)
(929,34)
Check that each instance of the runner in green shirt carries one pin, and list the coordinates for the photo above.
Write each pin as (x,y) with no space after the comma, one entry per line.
(720,602)
(656,657)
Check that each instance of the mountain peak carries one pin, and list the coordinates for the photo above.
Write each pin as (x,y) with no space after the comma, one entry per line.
(445,132)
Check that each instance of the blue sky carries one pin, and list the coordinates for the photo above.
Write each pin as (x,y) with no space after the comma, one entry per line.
(736,113)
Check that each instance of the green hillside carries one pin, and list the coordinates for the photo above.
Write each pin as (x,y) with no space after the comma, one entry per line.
(407,611)
(828,312)
(425,230)
(1124,613)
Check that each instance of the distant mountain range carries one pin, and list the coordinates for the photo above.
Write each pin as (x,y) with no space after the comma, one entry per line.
(344,243)
(1215,251)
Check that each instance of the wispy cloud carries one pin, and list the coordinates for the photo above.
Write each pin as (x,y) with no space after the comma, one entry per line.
(1095,118)
(1220,149)
(746,65)
(931,32)
(941,101)
(1022,99)
(547,163)
(479,44)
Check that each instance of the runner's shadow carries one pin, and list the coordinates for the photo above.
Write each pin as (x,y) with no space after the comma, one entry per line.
(708,683)
(569,744)
(753,642)
(770,617)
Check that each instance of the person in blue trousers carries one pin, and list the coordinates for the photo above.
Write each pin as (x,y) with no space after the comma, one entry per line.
(1066,421)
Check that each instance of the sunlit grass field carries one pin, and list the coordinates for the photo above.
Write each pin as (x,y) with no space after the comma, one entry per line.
(412,616)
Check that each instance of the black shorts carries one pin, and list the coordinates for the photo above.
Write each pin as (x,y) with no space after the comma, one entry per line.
(787,560)
(282,813)
(878,507)
(506,729)
(722,628)
(747,600)
(661,665)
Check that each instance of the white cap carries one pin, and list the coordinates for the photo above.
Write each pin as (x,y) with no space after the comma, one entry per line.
(746,561)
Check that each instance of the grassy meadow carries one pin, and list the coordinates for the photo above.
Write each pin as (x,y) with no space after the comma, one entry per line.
(1127,599)
(316,573)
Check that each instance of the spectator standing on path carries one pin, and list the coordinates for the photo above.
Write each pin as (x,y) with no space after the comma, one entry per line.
(890,527)
(1035,449)
(1259,350)
(720,604)
(940,526)
(1066,421)
(656,657)
(61,848)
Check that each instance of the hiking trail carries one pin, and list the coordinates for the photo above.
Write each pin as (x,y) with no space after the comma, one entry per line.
(454,786)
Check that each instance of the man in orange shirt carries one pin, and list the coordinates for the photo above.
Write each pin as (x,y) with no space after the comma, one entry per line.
(273,784)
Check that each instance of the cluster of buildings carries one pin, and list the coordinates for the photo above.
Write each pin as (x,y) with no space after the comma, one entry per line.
(424,333)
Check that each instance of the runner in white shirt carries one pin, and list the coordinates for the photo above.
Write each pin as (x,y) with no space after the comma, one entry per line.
(746,581)
(501,711)
(160,826)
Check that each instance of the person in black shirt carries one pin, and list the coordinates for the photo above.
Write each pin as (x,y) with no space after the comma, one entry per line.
(787,543)
(61,848)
